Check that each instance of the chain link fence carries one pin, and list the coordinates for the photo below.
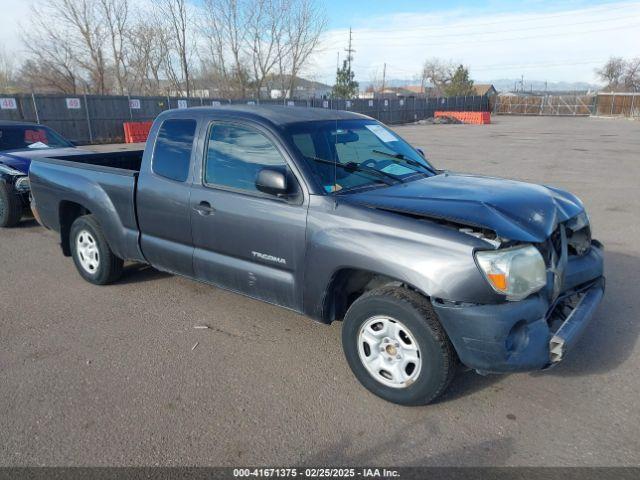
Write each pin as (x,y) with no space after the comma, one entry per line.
(545,105)
(98,119)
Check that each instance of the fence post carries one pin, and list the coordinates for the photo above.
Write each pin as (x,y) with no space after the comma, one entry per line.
(168,103)
(86,109)
(633,97)
(613,97)
(129,103)
(35,107)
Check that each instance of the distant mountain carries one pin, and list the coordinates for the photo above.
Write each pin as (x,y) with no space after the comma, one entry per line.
(507,85)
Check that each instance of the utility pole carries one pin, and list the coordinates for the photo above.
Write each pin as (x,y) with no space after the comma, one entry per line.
(349,51)
(384,77)
(338,62)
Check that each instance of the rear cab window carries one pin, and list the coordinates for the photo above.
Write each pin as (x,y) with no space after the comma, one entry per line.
(172,151)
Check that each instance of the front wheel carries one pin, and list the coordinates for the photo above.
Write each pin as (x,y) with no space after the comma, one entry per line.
(91,254)
(10,206)
(396,346)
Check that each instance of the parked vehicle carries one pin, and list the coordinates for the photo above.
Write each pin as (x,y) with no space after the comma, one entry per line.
(20,142)
(333,215)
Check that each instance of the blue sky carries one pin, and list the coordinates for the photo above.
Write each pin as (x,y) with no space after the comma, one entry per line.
(540,39)
(345,13)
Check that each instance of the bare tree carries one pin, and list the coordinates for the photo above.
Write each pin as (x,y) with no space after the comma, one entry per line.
(226,28)
(116,18)
(632,75)
(612,73)
(266,31)
(73,30)
(6,72)
(53,64)
(437,72)
(177,16)
(149,45)
(304,22)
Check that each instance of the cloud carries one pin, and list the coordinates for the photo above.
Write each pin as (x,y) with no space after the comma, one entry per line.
(13,13)
(561,45)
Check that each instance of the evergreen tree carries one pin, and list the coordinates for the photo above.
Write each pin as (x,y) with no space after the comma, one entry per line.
(460,83)
(346,86)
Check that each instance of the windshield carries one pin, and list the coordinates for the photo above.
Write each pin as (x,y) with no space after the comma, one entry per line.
(29,137)
(365,153)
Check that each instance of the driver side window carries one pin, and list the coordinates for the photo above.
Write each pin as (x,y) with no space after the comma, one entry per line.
(235,155)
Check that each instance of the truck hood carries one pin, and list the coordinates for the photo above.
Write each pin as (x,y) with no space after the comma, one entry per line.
(514,210)
(21,160)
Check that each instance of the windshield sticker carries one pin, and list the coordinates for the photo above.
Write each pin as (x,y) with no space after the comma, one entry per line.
(332,188)
(397,169)
(38,145)
(382,133)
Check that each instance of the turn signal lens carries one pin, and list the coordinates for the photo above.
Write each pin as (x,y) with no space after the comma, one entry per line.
(515,272)
(498,280)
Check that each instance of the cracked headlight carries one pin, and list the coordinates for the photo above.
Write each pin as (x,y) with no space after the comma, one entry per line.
(22,184)
(515,272)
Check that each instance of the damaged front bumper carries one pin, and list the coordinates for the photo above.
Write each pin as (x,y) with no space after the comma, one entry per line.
(530,334)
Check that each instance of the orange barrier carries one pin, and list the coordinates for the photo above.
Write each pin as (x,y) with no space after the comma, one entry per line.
(476,118)
(136,132)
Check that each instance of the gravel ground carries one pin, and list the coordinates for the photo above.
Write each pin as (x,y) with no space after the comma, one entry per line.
(107,375)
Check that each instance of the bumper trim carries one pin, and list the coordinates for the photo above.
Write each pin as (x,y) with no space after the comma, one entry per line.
(571,329)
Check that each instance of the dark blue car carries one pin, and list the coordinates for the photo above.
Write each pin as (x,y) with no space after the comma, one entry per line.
(20,142)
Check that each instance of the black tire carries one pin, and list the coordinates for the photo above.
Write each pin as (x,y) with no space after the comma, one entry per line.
(109,267)
(10,206)
(437,355)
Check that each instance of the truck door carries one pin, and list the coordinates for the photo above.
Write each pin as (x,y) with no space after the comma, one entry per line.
(246,240)
(163,199)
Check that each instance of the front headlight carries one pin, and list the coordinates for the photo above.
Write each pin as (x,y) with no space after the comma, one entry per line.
(515,272)
(22,184)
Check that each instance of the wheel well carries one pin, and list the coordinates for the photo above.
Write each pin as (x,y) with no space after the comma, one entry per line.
(68,213)
(347,285)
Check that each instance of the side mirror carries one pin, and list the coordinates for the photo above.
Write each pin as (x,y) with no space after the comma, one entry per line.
(272,182)
(421,151)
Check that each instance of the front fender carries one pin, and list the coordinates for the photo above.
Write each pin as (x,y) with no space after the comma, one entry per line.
(435,260)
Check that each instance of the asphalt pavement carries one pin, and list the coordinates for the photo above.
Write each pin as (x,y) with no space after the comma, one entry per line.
(109,376)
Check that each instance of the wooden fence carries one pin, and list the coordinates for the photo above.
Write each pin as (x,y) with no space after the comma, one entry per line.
(618,104)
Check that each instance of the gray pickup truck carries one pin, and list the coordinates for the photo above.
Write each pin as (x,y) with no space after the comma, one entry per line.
(333,215)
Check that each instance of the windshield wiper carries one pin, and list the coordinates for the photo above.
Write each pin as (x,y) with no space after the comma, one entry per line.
(354,167)
(402,159)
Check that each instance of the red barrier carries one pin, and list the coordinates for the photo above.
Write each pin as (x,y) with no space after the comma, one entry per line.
(476,118)
(136,132)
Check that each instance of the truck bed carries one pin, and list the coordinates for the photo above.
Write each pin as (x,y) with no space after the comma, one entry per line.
(103,184)
(127,160)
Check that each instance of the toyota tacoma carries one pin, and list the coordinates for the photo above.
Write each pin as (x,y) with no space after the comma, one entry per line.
(333,215)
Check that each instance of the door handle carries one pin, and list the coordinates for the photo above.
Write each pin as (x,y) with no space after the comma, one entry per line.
(204,208)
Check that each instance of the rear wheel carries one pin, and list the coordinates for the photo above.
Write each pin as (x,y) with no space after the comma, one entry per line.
(10,206)
(396,346)
(91,254)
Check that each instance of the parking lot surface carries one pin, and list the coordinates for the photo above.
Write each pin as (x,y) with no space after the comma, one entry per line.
(108,376)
